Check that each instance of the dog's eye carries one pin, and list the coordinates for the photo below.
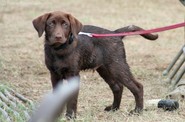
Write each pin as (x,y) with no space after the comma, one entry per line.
(51,24)
(65,25)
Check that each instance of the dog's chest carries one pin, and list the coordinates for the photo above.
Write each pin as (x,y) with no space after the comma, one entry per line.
(65,66)
(60,67)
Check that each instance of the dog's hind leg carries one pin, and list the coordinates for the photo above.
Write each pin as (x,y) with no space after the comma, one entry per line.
(137,90)
(116,88)
(117,92)
(124,76)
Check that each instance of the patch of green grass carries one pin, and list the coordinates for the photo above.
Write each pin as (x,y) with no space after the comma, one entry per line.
(16,114)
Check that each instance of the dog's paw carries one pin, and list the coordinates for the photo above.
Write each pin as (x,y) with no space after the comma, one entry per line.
(111,108)
(136,111)
(70,116)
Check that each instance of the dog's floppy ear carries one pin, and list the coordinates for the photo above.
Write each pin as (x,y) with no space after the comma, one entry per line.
(40,22)
(76,26)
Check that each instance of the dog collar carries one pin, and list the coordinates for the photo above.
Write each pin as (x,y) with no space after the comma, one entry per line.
(70,38)
(61,46)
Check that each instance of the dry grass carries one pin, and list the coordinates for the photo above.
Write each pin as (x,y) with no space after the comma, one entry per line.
(22,60)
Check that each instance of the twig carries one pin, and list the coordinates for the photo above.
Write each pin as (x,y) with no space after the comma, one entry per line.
(11,97)
(5,114)
(27,116)
(8,108)
(14,104)
(22,98)
(7,100)
(7,93)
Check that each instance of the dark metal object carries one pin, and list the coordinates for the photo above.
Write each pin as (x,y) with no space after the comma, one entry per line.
(181,53)
(177,68)
(173,63)
(179,76)
(183,2)
(168,105)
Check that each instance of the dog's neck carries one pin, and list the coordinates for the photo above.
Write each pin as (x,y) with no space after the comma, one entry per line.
(62,50)
(62,46)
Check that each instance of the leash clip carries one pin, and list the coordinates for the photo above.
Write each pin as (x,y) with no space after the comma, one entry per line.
(84,33)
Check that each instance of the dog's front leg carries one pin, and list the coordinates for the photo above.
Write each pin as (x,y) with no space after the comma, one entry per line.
(55,78)
(72,107)
(72,103)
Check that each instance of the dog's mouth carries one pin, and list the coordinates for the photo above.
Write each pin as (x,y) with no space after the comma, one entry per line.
(58,45)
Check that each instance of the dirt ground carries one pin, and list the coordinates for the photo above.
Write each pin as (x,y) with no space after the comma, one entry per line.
(22,59)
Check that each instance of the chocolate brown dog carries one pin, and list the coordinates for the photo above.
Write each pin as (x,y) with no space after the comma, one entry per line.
(66,53)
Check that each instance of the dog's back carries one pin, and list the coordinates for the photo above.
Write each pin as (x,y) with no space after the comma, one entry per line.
(99,51)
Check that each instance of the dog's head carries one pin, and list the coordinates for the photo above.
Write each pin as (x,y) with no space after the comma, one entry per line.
(59,27)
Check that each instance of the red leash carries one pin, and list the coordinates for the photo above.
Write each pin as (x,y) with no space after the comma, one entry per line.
(136,32)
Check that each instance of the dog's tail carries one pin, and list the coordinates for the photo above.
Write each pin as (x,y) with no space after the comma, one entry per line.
(133,28)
